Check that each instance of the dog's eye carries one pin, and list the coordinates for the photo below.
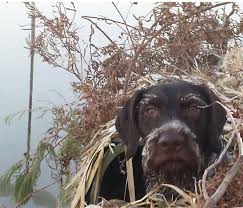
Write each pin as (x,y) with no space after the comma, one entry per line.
(193,108)
(152,111)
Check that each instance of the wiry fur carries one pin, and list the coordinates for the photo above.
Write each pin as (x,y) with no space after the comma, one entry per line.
(181,134)
(184,179)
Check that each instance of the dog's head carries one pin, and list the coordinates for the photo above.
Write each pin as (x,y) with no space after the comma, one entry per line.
(180,122)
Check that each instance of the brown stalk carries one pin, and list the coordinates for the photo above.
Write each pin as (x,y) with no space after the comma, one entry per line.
(212,202)
(102,31)
(144,43)
(109,20)
(214,199)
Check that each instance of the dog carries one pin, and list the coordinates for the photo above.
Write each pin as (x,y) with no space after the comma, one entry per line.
(179,123)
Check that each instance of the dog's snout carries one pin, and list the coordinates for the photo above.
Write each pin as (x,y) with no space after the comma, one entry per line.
(171,141)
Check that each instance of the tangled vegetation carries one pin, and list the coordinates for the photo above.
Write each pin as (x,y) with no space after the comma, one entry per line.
(174,39)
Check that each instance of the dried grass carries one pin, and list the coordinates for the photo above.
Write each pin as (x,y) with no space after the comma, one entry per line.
(183,40)
(92,158)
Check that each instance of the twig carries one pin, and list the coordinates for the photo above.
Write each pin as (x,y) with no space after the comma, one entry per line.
(125,23)
(32,55)
(144,43)
(224,185)
(212,201)
(216,5)
(239,139)
(34,192)
(131,204)
(204,178)
(102,31)
(58,143)
(140,48)
(111,20)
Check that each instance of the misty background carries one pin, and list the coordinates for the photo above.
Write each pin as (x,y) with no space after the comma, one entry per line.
(48,81)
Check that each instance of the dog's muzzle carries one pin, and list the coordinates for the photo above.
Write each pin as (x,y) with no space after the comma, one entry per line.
(171,148)
(171,155)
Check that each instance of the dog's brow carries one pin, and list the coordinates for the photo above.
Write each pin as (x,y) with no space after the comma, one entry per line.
(150,96)
(193,97)
(147,98)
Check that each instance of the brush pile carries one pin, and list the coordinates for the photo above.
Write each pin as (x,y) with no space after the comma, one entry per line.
(190,41)
(94,154)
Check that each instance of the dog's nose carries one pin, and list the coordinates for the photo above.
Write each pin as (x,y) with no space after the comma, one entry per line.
(171,141)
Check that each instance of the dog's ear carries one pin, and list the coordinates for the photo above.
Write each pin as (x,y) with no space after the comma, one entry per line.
(126,123)
(217,118)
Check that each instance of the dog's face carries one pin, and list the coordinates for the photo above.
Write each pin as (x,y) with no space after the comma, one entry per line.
(179,123)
